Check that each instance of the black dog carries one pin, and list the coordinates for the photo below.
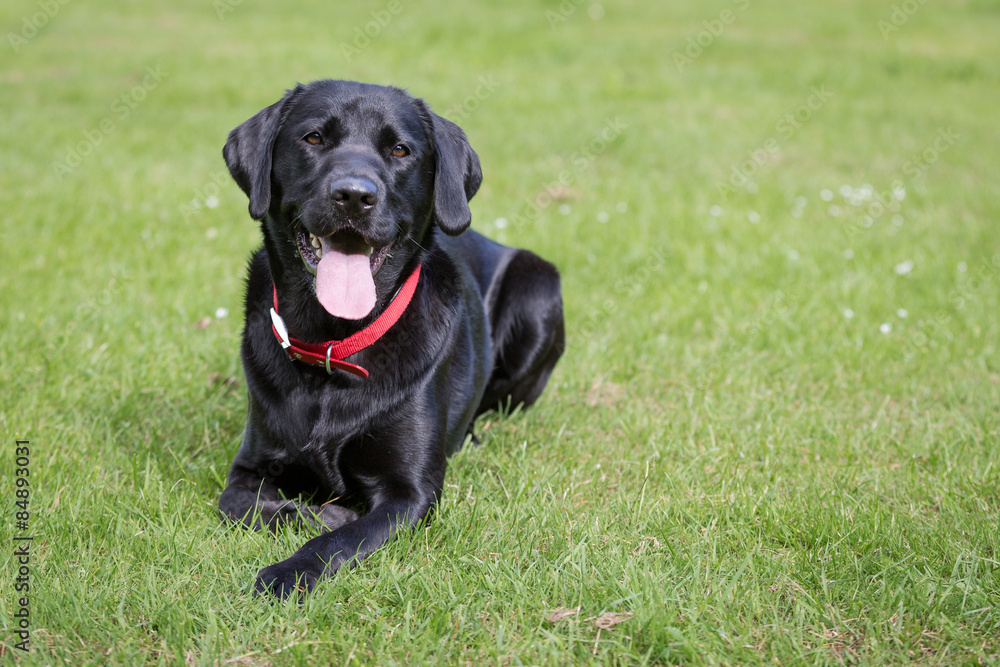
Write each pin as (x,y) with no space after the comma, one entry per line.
(391,337)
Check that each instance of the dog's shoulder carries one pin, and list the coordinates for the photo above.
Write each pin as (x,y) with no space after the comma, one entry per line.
(478,259)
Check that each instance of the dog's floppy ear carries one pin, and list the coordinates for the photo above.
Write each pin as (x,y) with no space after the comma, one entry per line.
(248,153)
(457,176)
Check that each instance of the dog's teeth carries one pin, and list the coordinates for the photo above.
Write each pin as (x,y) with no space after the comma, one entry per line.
(314,241)
(318,252)
(370,249)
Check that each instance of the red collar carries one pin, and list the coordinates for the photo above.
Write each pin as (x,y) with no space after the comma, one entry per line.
(331,354)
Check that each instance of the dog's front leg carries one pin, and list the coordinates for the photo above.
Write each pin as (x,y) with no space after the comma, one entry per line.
(257,503)
(321,556)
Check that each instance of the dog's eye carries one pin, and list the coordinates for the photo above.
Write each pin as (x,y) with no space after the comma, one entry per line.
(399,150)
(313,138)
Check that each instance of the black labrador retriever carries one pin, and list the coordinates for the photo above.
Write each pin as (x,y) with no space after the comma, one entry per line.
(377,327)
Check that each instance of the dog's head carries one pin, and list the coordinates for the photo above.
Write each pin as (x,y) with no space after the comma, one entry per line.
(349,177)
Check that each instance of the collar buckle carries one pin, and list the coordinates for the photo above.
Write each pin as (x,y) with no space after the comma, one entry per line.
(329,371)
(282,331)
(322,354)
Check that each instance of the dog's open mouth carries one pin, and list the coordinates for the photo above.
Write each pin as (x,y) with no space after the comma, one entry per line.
(344,265)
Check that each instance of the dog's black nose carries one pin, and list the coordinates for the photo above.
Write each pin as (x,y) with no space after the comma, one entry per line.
(356,195)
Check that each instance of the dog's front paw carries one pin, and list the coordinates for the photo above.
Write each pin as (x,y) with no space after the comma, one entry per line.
(284,579)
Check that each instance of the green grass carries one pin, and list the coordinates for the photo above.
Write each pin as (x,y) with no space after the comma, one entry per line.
(723,453)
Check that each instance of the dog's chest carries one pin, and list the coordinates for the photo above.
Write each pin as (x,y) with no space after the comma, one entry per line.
(341,431)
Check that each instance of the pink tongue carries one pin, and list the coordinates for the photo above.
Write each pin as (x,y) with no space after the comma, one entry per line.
(344,284)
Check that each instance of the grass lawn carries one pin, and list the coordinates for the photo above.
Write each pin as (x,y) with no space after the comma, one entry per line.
(772,438)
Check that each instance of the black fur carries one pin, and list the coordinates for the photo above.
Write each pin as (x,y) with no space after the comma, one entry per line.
(485,326)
